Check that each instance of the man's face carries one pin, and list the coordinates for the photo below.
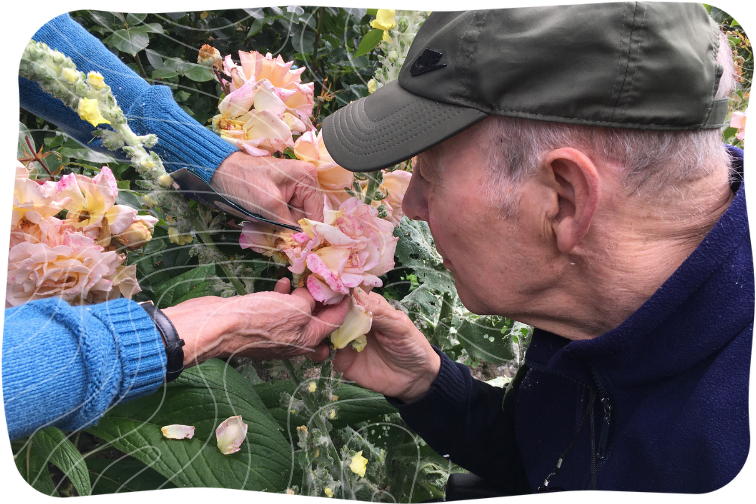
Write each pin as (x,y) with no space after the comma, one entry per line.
(500,265)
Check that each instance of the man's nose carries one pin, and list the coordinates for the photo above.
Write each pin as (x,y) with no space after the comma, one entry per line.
(415,202)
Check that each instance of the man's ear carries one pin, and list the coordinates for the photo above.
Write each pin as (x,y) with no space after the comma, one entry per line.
(577,184)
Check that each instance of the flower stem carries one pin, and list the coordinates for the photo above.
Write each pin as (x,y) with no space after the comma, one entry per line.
(371,187)
(202,232)
(446,310)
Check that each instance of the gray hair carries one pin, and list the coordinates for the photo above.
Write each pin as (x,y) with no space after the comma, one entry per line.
(652,162)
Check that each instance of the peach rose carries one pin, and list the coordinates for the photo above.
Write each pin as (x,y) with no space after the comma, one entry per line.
(77,270)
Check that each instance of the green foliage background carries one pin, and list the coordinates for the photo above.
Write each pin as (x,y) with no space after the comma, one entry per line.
(125,451)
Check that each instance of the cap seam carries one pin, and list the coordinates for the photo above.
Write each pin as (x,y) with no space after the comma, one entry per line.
(629,94)
(627,66)
(468,57)
(717,78)
(619,64)
(355,141)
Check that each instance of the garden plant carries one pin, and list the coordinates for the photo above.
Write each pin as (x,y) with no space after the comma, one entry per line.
(263,79)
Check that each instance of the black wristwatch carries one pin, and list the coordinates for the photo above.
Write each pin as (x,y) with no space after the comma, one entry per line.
(171,340)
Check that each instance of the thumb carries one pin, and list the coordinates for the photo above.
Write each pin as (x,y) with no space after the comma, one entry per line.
(386,319)
(327,320)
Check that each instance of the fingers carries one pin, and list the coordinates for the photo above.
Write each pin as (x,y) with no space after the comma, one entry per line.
(343,360)
(319,353)
(303,293)
(386,318)
(283,286)
(327,320)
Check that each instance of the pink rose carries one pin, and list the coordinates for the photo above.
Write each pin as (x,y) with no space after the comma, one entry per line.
(77,271)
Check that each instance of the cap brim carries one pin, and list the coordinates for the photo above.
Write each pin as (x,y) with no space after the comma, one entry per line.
(390,126)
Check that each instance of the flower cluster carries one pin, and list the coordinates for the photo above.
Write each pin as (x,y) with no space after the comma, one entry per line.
(265,105)
(399,30)
(75,257)
(738,120)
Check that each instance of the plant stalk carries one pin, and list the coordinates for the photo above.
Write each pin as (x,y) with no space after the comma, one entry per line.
(209,243)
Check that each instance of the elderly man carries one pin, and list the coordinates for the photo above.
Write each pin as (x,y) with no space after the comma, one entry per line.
(571,170)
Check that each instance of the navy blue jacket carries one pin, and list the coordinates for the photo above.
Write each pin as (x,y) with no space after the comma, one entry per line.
(664,394)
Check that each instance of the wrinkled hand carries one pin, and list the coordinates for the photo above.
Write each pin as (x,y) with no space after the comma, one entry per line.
(263,325)
(397,361)
(283,190)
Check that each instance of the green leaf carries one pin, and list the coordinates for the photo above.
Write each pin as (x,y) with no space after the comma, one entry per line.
(221,27)
(256,13)
(487,338)
(23,133)
(84,154)
(200,73)
(185,286)
(417,473)
(135,19)
(128,197)
(107,19)
(123,475)
(53,446)
(164,73)
(129,41)
(355,404)
(154,58)
(202,396)
(369,42)
(257,25)
(33,467)
(416,250)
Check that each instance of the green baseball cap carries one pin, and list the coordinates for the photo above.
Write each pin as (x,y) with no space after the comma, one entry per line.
(638,65)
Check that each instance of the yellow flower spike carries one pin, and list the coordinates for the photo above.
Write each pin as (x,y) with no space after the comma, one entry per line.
(334,398)
(332,414)
(312,387)
(149,200)
(165,180)
(385,19)
(317,452)
(89,111)
(328,492)
(358,464)
(372,86)
(302,429)
(70,75)
(95,80)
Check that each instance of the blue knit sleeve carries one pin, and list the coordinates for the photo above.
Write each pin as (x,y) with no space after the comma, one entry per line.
(182,141)
(65,365)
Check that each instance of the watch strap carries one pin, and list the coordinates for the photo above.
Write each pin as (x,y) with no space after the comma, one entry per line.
(173,351)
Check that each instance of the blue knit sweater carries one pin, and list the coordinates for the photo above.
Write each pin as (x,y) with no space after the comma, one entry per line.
(64,365)
(182,141)
(664,394)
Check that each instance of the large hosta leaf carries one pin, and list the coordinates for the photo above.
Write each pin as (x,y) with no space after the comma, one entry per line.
(203,396)
(55,447)
(354,405)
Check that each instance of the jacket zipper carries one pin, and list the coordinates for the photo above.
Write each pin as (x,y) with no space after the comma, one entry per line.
(606,423)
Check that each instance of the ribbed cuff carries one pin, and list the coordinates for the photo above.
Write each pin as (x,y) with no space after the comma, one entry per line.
(140,348)
(182,141)
(447,389)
